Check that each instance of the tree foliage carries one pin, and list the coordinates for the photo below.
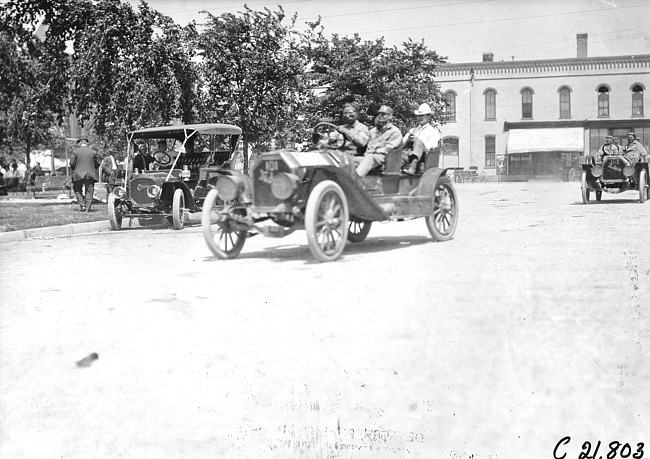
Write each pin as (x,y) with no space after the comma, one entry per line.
(367,72)
(118,68)
(252,66)
(115,68)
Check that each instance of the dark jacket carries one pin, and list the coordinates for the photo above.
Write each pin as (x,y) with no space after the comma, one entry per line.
(84,162)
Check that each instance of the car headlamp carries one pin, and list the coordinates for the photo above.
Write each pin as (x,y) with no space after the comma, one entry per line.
(153,191)
(283,185)
(119,192)
(229,189)
(597,171)
(628,171)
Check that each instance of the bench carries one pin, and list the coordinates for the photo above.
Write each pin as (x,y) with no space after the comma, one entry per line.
(51,183)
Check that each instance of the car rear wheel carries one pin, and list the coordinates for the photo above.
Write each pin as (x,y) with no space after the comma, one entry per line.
(585,188)
(326,221)
(178,206)
(114,213)
(358,230)
(223,241)
(643,186)
(442,223)
(599,195)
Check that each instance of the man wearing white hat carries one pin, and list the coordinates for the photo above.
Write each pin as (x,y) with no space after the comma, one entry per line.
(419,139)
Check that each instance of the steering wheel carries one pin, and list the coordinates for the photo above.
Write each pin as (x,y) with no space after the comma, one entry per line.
(326,134)
(162,158)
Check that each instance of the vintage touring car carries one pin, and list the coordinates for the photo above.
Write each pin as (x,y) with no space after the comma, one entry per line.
(614,175)
(185,172)
(317,191)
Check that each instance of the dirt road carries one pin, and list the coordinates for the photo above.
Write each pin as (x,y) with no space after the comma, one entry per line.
(529,327)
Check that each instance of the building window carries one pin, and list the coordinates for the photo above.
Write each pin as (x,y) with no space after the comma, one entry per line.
(490,151)
(527,104)
(450,106)
(565,103)
(450,146)
(603,101)
(490,104)
(637,100)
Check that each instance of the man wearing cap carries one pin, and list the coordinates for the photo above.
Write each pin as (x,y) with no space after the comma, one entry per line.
(608,148)
(384,137)
(84,163)
(419,139)
(356,133)
(634,151)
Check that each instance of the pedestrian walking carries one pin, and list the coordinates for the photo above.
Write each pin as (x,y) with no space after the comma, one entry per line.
(85,163)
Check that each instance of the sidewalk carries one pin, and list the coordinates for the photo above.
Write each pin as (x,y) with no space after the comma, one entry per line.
(56,231)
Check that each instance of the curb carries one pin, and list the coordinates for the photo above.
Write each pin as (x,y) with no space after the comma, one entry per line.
(71,229)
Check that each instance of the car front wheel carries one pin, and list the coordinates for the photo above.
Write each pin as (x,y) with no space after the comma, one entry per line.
(585,188)
(178,206)
(442,223)
(224,241)
(643,186)
(326,221)
(114,213)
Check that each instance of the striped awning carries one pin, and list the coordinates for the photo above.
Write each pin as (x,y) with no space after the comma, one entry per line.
(565,140)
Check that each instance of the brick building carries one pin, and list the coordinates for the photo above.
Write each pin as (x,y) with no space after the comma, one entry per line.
(536,117)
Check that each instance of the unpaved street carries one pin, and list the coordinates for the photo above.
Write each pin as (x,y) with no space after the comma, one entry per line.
(530,326)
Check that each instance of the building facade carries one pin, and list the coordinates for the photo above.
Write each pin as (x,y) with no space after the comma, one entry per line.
(535,118)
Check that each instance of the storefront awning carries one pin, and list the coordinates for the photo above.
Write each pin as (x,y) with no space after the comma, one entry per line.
(566,140)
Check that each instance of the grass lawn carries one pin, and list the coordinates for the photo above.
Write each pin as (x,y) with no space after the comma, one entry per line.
(20,214)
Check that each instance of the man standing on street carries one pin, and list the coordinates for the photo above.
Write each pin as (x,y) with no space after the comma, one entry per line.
(84,162)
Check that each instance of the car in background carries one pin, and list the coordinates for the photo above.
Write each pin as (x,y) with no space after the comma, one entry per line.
(184,174)
(317,191)
(614,175)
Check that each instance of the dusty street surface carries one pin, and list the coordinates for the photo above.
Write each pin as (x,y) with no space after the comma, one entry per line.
(530,326)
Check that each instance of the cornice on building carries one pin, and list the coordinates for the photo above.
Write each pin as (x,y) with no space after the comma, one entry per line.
(544,66)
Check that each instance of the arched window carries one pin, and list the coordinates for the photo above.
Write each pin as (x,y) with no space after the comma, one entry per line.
(490,104)
(450,105)
(637,100)
(603,101)
(527,103)
(565,102)
(490,150)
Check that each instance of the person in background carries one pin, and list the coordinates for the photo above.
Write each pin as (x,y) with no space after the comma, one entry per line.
(143,160)
(84,162)
(12,177)
(608,148)
(419,139)
(109,173)
(355,132)
(634,151)
(384,137)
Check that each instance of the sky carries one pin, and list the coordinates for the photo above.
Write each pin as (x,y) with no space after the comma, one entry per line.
(462,30)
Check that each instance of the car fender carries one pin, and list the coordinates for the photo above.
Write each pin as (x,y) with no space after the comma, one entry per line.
(428,181)
(168,189)
(360,204)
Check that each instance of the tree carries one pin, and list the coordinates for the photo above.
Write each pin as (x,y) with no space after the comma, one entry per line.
(252,67)
(27,109)
(349,69)
(127,69)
